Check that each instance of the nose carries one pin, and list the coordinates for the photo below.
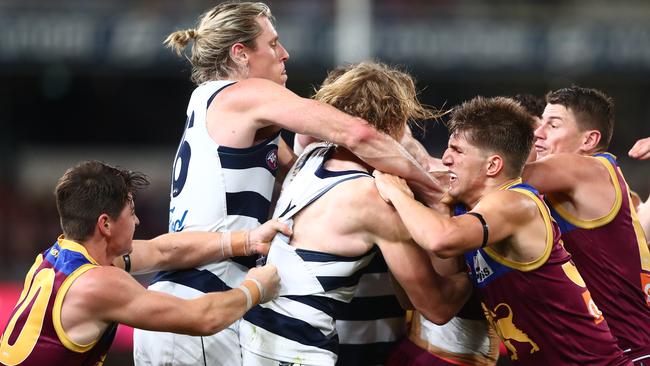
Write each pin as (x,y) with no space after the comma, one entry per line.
(137,220)
(284,55)
(446,158)
(539,132)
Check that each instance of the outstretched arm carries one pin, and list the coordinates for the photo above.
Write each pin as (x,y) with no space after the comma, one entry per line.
(106,294)
(641,149)
(272,104)
(452,236)
(193,248)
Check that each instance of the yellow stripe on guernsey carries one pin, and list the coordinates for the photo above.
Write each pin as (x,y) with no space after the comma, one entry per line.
(65,286)
(644,251)
(532,265)
(601,221)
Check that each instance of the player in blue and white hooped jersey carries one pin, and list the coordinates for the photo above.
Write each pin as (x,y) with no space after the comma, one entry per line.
(230,154)
(330,199)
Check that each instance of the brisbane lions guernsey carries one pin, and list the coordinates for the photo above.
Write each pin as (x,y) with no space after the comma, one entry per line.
(34,334)
(542,309)
(613,258)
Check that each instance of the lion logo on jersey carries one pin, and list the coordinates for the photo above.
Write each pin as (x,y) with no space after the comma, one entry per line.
(508,331)
(272,159)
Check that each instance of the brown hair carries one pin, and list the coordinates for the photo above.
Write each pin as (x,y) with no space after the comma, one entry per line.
(499,125)
(593,110)
(383,96)
(219,28)
(90,189)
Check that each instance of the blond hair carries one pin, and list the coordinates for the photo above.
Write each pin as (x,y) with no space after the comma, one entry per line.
(383,96)
(218,30)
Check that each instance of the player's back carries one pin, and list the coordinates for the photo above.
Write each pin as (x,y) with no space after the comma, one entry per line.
(319,266)
(613,258)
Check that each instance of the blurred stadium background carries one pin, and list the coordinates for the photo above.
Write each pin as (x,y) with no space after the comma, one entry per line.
(90,80)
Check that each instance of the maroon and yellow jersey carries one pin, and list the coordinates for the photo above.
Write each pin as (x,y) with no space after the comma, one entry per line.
(542,309)
(34,334)
(613,258)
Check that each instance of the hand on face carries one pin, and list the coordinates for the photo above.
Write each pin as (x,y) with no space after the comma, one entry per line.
(389,185)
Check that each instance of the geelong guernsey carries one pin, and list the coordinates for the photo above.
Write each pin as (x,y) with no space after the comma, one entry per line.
(299,326)
(216,188)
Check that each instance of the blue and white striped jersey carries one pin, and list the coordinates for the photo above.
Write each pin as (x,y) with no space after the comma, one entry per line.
(216,188)
(299,326)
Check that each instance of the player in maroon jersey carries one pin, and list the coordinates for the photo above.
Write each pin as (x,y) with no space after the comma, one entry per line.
(590,200)
(74,298)
(530,290)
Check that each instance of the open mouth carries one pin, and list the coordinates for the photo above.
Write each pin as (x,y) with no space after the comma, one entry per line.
(452,177)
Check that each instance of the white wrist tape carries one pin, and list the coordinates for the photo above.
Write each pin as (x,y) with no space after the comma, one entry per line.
(259,287)
(226,245)
(249,297)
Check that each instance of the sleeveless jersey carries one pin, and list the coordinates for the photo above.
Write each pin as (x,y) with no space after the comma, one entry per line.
(34,334)
(216,188)
(467,339)
(613,258)
(374,322)
(542,309)
(299,325)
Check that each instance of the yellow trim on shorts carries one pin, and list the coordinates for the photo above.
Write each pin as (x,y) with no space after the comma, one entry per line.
(601,221)
(56,312)
(534,264)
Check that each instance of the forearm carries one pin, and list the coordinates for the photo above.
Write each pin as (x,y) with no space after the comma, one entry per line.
(186,250)
(425,225)
(455,291)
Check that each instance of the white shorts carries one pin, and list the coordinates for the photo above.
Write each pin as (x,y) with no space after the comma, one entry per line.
(169,349)
(251,359)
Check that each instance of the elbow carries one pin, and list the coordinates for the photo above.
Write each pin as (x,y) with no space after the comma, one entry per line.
(210,325)
(438,316)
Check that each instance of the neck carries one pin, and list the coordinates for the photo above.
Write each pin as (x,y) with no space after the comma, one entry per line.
(489,186)
(98,250)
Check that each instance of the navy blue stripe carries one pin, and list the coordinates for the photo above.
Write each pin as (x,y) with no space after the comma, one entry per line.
(315,256)
(371,308)
(248,150)
(215,94)
(248,262)
(377,265)
(202,280)
(330,283)
(323,173)
(291,328)
(266,157)
(364,354)
(327,305)
(248,203)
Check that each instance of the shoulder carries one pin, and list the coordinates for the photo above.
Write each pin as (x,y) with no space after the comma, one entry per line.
(100,287)
(513,205)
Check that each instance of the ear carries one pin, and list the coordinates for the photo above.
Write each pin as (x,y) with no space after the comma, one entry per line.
(104,224)
(590,141)
(495,165)
(238,54)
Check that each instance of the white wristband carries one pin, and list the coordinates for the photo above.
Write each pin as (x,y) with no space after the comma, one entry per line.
(259,287)
(249,297)
(226,245)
